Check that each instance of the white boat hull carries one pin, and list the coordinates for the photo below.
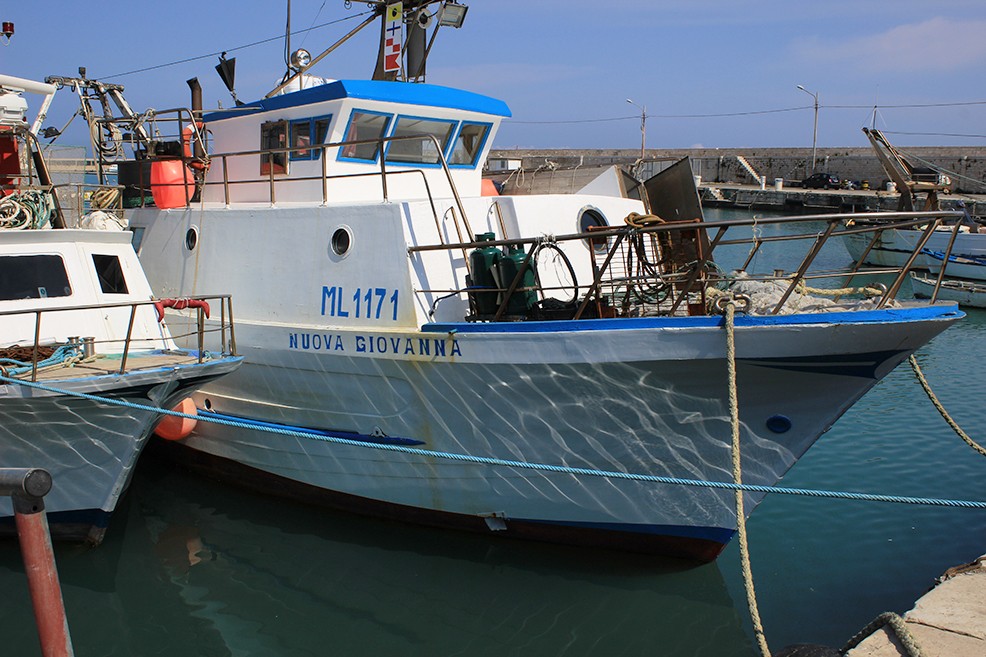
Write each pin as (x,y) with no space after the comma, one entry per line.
(649,397)
(971,294)
(89,447)
(895,246)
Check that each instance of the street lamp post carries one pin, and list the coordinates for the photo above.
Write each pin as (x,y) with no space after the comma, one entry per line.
(643,127)
(814,134)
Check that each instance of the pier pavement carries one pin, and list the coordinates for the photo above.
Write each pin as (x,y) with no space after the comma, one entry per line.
(947,621)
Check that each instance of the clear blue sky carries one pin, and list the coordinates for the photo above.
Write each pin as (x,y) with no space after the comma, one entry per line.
(567,68)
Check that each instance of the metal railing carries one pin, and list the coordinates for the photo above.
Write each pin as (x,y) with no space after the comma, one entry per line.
(642,269)
(183,119)
(225,328)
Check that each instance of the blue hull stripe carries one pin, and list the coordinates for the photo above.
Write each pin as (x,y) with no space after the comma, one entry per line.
(346,435)
(887,316)
(713,534)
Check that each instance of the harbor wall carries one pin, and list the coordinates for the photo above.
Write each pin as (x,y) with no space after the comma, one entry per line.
(966,165)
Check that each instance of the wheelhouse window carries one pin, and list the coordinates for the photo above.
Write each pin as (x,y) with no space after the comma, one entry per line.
(364,125)
(110,274)
(33,277)
(419,148)
(469,144)
(308,132)
(273,136)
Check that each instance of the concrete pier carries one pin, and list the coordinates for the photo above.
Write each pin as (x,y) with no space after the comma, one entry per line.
(947,621)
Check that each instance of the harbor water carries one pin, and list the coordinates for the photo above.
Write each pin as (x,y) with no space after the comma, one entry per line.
(192,567)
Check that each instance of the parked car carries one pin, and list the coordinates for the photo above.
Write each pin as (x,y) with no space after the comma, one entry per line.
(821,181)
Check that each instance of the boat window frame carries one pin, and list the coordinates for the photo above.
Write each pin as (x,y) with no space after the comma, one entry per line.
(110,273)
(453,128)
(67,290)
(479,151)
(342,157)
(269,158)
(313,153)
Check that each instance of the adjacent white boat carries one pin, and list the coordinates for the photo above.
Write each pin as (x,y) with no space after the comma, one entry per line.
(892,248)
(382,298)
(78,324)
(970,293)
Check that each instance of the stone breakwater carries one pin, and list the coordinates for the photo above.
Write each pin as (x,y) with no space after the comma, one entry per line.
(966,165)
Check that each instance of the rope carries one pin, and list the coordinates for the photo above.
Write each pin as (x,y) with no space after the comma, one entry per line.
(874,291)
(525,465)
(28,209)
(941,409)
(899,627)
(751,594)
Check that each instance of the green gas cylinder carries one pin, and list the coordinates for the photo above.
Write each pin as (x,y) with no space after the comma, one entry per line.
(482,263)
(524,296)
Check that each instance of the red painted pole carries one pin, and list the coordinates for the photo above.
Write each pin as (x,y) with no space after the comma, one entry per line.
(39,562)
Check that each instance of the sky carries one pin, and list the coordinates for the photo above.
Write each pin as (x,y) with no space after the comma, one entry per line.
(710,73)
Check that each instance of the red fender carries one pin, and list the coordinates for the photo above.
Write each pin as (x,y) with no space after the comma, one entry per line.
(179,304)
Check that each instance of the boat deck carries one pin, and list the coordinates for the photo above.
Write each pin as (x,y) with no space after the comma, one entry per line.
(103,365)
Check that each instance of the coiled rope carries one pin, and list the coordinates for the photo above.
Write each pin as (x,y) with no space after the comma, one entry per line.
(26,210)
(941,409)
(744,549)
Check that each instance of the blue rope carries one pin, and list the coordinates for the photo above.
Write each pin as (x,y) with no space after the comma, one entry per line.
(61,354)
(484,460)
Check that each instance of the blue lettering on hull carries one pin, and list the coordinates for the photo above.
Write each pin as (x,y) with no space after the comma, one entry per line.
(437,347)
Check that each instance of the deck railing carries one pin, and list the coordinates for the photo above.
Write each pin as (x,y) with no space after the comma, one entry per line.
(667,268)
(88,346)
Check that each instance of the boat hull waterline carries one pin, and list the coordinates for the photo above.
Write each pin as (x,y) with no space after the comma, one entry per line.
(644,396)
(90,447)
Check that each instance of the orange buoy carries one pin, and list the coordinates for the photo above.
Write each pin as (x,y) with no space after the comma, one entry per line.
(173,427)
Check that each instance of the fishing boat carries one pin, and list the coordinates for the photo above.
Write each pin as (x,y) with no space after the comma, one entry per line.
(86,363)
(962,238)
(550,367)
(960,243)
(969,293)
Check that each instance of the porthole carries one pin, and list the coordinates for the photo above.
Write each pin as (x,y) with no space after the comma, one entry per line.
(191,238)
(342,241)
(591,218)
(779,423)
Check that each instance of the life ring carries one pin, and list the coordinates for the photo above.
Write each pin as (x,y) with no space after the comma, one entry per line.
(186,146)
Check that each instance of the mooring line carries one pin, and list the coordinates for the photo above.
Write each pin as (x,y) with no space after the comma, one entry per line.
(941,409)
(734,422)
(485,460)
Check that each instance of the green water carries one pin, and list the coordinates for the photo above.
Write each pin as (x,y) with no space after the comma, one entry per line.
(190,567)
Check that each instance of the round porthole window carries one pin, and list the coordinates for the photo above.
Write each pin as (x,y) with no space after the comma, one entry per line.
(342,241)
(191,238)
(591,218)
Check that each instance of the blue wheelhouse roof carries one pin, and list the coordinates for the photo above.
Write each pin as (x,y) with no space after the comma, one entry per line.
(426,95)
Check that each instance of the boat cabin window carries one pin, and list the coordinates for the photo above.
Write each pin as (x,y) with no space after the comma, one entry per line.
(364,125)
(308,132)
(110,274)
(33,277)
(273,136)
(469,144)
(419,148)
(590,218)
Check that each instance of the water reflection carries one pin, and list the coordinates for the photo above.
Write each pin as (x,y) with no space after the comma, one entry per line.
(200,569)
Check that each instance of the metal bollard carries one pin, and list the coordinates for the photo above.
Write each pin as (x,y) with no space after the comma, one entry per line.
(27,487)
